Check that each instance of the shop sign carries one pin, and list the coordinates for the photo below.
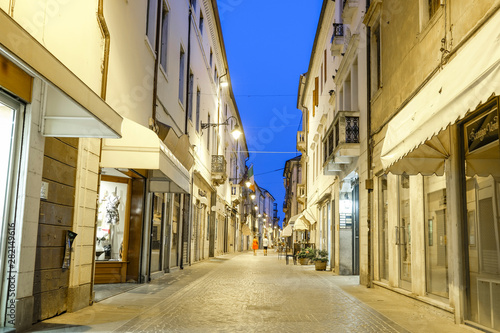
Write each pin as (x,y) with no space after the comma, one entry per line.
(482,130)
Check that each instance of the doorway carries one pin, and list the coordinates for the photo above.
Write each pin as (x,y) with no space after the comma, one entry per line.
(403,233)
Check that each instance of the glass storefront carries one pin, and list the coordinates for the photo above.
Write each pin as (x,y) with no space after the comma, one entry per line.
(403,232)
(436,241)
(157,223)
(9,124)
(176,219)
(383,234)
(482,176)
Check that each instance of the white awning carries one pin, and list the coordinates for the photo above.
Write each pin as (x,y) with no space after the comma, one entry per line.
(309,215)
(72,109)
(140,148)
(293,219)
(301,224)
(469,79)
(287,231)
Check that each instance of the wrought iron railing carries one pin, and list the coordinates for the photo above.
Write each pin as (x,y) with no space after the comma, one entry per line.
(352,129)
(338,29)
(218,164)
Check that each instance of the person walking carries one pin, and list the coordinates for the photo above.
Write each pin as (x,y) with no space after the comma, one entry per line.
(265,244)
(255,245)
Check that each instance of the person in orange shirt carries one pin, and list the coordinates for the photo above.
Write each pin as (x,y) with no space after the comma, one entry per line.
(255,245)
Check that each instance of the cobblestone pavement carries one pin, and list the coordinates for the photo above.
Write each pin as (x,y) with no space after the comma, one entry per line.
(234,293)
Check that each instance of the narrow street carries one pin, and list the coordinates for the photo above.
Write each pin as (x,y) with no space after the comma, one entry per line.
(242,292)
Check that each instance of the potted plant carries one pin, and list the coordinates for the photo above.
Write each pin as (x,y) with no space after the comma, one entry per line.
(305,255)
(320,260)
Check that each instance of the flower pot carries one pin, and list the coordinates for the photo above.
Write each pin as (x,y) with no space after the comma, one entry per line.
(320,265)
(303,261)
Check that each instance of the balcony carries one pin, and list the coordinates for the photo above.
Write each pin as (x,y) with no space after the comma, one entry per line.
(301,193)
(301,141)
(219,175)
(337,47)
(350,8)
(341,144)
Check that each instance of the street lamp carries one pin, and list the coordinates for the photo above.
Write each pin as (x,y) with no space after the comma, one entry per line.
(252,196)
(236,132)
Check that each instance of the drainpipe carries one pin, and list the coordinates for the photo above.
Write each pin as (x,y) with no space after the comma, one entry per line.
(157,62)
(369,153)
(186,215)
(188,70)
(104,84)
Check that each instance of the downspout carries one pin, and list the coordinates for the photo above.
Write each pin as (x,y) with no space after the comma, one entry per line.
(188,93)
(105,60)
(186,215)
(157,62)
(369,154)
(104,84)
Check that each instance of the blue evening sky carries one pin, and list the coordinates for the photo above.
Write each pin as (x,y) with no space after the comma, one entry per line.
(268,45)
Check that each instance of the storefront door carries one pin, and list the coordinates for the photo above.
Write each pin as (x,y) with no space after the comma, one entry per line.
(176,216)
(9,124)
(383,229)
(436,242)
(403,233)
(156,237)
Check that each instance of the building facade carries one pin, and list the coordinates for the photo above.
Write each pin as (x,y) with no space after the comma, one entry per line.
(120,165)
(333,140)
(418,177)
(435,154)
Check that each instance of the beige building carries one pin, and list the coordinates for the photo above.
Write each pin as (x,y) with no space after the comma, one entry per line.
(120,165)
(434,84)
(332,97)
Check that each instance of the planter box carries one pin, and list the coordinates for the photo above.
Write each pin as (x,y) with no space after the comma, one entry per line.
(304,261)
(320,265)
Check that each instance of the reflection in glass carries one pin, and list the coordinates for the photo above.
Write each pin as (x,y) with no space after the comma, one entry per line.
(383,239)
(436,240)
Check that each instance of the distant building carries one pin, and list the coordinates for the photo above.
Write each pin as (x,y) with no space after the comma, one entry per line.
(333,99)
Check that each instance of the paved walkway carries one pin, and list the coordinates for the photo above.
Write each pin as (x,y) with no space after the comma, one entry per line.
(246,293)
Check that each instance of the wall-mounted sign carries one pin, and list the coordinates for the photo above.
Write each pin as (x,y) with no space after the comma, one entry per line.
(482,130)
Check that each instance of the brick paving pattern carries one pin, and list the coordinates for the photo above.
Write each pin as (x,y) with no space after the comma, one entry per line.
(260,294)
(246,293)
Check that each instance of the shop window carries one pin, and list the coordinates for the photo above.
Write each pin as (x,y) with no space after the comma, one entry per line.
(157,232)
(403,232)
(111,219)
(383,227)
(436,244)
(480,140)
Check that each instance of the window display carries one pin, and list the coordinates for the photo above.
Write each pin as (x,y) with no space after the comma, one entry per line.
(110,220)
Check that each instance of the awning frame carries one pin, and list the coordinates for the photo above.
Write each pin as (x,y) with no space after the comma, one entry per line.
(447,98)
(140,148)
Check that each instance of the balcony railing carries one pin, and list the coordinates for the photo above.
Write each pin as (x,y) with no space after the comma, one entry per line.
(337,41)
(341,142)
(338,30)
(219,175)
(301,141)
